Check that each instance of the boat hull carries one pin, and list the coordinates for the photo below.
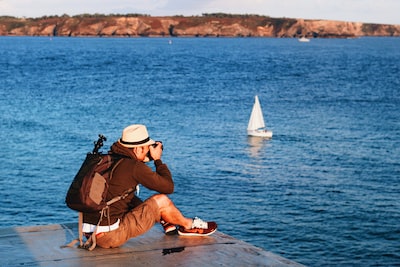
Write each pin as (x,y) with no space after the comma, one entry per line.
(304,40)
(260,133)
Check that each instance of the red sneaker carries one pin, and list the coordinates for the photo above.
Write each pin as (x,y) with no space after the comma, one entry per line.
(169,229)
(199,228)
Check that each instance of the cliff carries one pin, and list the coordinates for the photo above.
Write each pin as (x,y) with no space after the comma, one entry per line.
(213,25)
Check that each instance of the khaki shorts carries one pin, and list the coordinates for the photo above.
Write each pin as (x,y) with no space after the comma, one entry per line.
(136,222)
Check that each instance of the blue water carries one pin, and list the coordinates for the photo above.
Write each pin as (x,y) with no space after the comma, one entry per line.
(324,191)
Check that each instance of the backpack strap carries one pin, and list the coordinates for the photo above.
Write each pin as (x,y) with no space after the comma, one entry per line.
(80,236)
(80,227)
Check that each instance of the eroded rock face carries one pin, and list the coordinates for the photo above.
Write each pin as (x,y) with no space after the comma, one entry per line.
(233,26)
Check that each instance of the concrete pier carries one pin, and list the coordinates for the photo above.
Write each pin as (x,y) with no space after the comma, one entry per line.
(42,246)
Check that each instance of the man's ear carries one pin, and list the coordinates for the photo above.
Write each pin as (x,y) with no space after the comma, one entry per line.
(138,149)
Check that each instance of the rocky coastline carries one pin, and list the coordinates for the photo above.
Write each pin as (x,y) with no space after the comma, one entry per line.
(207,25)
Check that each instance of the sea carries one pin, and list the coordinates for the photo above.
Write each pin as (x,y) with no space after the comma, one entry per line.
(324,191)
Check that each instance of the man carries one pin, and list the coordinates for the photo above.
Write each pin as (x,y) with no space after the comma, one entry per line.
(131,217)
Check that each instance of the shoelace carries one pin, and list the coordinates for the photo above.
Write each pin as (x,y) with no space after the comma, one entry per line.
(199,223)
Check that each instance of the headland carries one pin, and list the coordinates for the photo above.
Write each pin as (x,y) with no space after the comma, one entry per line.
(207,25)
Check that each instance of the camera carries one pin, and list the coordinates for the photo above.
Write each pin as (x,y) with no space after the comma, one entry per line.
(154,145)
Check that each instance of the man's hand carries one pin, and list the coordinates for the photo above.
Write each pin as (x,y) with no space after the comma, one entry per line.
(156,151)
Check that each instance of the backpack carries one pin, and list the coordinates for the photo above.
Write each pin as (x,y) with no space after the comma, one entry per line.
(88,190)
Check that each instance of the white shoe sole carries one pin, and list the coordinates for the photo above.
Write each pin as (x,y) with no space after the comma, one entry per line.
(196,234)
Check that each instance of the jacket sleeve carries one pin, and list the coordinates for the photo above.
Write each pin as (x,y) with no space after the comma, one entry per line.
(160,180)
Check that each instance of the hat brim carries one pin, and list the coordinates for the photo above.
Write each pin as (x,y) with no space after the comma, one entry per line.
(150,142)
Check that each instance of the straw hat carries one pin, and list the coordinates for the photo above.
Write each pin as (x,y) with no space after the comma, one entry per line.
(134,136)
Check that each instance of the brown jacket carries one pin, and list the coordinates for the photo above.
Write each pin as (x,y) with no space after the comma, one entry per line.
(129,173)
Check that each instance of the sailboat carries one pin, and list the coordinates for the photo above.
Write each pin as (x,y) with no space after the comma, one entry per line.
(304,39)
(256,125)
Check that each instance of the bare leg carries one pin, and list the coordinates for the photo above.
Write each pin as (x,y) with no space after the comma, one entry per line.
(170,213)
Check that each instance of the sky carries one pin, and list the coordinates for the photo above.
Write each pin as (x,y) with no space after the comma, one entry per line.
(368,11)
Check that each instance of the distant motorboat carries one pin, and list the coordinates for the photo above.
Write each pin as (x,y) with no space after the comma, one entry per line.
(256,126)
(304,40)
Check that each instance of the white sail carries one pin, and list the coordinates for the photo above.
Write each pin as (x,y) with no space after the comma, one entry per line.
(256,126)
(256,118)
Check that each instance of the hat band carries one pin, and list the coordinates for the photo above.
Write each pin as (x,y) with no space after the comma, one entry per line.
(135,143)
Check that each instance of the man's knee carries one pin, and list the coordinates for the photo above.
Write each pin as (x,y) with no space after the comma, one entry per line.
(162,200)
